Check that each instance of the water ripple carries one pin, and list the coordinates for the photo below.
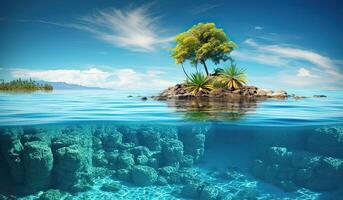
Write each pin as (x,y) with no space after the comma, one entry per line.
(68,106)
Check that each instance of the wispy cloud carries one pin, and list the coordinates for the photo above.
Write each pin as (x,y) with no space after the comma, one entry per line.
(125,78)
(302,72)
(202,8)
(38,21)
(133,29)
(325,70)
(258,27)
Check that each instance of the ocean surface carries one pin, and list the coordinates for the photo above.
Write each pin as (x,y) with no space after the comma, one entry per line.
(103,144)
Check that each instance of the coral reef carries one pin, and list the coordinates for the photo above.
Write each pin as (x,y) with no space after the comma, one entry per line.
(292,169)
(68,161)
(327,141)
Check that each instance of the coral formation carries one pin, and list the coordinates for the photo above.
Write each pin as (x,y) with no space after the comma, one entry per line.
(66,161)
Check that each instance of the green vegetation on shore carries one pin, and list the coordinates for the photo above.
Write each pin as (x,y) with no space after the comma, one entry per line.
(23,85)
(205,42)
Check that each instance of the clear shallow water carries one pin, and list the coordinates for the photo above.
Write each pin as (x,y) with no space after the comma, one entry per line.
(78,142)
(104,105)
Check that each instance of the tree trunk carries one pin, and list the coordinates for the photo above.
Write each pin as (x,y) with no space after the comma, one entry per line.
(203,62)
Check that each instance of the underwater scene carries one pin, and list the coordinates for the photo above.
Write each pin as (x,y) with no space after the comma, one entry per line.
(171,100)
(275,149)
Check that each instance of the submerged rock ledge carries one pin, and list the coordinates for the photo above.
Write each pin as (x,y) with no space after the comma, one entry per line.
(180,91)
(59,162)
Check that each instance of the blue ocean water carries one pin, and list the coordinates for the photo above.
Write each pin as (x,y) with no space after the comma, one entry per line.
(106,105)
(103,144)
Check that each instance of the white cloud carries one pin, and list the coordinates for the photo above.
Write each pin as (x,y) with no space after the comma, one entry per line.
(302,72)
(280,55)
(202,8)
(261,58)
(250,42)
(126,78)
(284,52)
(135,29)
(258,27)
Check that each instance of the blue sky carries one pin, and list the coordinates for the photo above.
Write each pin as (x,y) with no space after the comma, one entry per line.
(125,44)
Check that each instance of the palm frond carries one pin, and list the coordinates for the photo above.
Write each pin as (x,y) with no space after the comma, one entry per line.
(233,77)
(198,82)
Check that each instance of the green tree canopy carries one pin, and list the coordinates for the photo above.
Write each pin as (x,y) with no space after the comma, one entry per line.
(202,42)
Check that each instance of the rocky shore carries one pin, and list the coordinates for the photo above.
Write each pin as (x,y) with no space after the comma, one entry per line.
(180,91)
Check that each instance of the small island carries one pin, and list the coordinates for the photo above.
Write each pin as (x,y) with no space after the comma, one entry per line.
(202,43)
(24,86)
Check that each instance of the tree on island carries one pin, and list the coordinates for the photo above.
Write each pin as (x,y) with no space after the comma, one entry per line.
(202,42)
(23,85)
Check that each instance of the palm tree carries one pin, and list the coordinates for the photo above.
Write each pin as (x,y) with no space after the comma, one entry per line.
(233,77)
(198,82)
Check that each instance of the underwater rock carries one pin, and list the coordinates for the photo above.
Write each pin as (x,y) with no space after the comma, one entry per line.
(194,141)
(112,159)
(172,174)
(63,141)
(125,160)
(31,138)
(153,162)
(167,132)
(38,163)
(258,169)
(125,146)
(124,174)
(168,170)
(172,151)
(111,187)
(299,168)
(279,155)
(52,194)
(82,185)
(140,150)
(161,181)
(267,137)
(111,139)
(11,149)
(209,193)
(326,176)
(144,175)
(99,159)
(129,134)
(302,175)
(141,160)
(327,141)
(100,172)
(97,144)
(5,176)
(3,197)
(288,186)
(303,159)
(191,190)
(71,163)
(150,138)
(15,161)
(248,193)
(229,174)
(187,161)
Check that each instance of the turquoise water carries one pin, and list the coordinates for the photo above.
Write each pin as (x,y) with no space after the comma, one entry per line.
(106,105)
(103,144)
